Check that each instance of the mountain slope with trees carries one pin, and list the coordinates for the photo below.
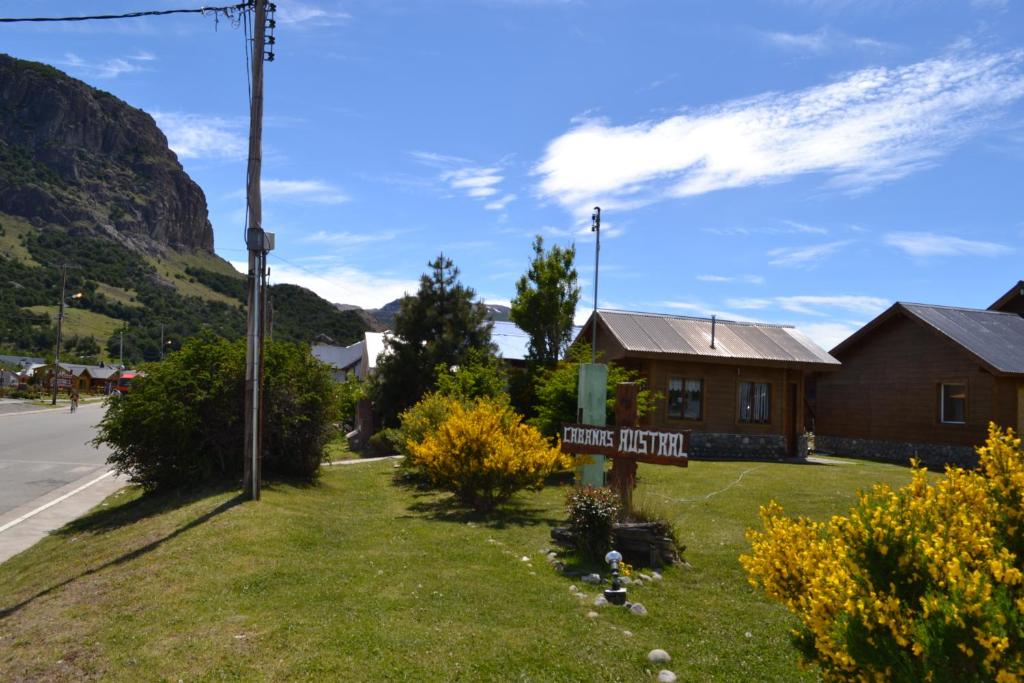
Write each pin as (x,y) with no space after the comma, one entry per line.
(88,181)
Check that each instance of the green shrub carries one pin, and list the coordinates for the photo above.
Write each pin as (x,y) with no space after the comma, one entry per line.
(592,514)
(483,454)
(182,423)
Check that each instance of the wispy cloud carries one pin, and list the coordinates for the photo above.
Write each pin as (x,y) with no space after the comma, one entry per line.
(500,204)
(791,228)
(476,182)
(743,279)
(306,14)
(315,191)
(872,126)
(193,136)
(463,176)
(346,238)
(107,68)
(815,304)
(821,41)
(925,244)
(804,256)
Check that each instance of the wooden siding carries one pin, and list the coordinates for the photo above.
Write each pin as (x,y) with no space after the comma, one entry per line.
(888,388)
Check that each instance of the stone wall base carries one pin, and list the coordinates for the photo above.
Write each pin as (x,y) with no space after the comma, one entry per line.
(713,445)
(932,455)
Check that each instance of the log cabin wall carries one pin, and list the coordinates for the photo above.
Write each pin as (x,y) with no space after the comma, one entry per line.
(889,389)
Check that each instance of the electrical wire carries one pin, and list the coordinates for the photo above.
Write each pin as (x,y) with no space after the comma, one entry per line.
(226,9)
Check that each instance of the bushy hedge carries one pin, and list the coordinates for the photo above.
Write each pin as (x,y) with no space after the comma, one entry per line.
(483,454)
(592,515)
(182,424)
(925,583)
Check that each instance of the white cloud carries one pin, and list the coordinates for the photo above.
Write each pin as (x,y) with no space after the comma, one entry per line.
(107,68)
(315,191)
(340,284)
(192,136)
(500,204)
(821,41)
(461,175)
(873,126)
(924,244)
(345,238)
(828,335)
(745,279)
(804,256)
(813,304)
(300,13)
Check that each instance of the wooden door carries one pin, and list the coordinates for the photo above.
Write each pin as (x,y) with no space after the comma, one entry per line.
(789,421)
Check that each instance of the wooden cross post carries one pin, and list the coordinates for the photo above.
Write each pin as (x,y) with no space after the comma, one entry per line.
(623,474)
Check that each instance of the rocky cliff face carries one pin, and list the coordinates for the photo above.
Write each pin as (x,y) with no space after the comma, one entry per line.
(80,158)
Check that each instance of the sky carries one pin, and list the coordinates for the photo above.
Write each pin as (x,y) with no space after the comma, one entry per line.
(805,162)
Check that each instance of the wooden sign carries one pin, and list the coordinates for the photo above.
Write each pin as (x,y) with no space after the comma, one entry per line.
(640,444)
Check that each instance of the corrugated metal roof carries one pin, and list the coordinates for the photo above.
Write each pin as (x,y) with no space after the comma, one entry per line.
(994,337)
(685,336)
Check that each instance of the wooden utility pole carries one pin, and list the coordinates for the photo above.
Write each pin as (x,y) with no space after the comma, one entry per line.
(60,328)
(258,244)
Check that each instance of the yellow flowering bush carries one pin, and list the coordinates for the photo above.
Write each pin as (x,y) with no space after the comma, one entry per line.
(924,583)
(483,453)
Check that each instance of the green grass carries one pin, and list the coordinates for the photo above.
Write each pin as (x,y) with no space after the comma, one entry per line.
(14,229)
(83,323)
(171,267)
(357,579)
(337,449)
(128,297)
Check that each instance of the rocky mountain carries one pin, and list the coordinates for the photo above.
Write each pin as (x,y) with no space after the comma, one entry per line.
(88,180)
(78,157)
(383,318)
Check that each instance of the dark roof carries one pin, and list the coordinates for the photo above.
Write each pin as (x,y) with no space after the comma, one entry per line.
(1001,303)
(674,335)
(996,339)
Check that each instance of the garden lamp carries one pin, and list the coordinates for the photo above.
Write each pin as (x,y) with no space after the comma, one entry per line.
(616,595)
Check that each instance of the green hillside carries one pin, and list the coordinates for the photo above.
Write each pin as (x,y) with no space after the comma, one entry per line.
(177,294)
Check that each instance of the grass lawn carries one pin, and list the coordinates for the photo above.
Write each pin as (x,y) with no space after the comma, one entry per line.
(357,579)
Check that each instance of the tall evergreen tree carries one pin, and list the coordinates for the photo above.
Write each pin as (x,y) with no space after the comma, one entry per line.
(438,326)
(545,302)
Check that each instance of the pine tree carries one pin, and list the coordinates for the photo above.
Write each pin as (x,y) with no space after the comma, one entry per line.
(437,327)
(545,302)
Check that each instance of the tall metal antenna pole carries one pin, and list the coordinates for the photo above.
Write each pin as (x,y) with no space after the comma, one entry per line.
(595,226)
(255,240)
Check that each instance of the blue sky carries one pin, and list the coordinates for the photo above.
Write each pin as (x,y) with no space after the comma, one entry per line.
(795,161)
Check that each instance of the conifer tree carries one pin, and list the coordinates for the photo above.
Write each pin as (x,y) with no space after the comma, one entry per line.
(439,326)
(545,302)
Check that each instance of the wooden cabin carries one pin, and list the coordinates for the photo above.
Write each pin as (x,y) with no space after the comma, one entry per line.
(924,381)
(738,385)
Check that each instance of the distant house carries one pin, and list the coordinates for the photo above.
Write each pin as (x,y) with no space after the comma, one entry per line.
(359,359)
(738,385)
(924,381)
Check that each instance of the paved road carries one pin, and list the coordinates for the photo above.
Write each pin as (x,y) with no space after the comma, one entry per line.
(44,451)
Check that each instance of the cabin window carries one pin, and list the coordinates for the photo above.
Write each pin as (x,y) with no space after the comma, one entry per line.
(685,398)
(954,403)
(755,402)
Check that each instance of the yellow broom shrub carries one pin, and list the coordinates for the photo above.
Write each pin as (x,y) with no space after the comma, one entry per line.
(924,583)
(483,454)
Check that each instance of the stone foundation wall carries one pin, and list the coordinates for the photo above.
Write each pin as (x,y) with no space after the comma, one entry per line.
(933,455)
(712,445)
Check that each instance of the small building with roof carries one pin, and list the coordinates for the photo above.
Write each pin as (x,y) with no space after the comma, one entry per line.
(739,386)
(924,381)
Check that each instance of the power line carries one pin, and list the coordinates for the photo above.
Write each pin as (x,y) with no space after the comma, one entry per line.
(226,9)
